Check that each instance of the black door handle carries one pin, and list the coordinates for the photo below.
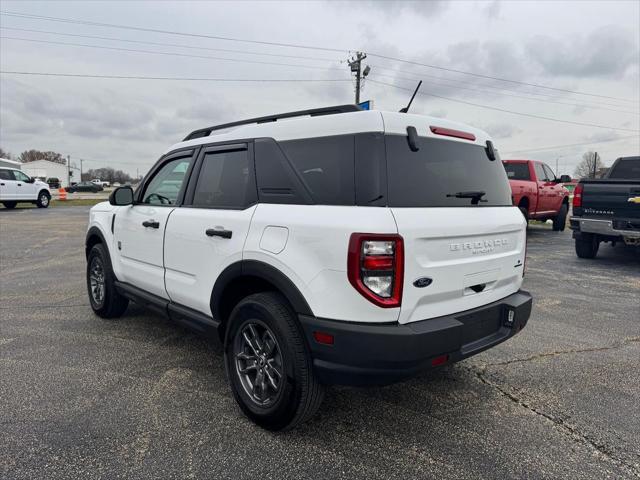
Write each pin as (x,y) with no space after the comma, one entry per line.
(151,224)
(2,184)
(212,232)
(19,184)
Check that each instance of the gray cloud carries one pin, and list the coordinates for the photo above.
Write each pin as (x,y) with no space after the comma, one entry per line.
(500,131)
(607,51)
(393,8)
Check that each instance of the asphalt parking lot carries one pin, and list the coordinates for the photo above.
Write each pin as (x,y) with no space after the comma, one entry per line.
(139,397)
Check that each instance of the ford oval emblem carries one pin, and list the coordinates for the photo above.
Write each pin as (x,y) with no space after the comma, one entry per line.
(422,282)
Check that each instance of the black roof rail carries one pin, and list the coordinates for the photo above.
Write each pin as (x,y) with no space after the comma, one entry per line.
(313,112)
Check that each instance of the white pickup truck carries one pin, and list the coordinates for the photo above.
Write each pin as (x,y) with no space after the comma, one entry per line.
(97,181)
(16,186)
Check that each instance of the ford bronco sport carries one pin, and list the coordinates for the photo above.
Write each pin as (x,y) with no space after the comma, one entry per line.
(328,246)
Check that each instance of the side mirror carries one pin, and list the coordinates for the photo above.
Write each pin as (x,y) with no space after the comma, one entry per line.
(121,196)
(31,180)
(565,179)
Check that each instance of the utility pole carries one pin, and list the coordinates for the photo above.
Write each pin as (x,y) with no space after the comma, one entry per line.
(68,170)
(595,163)
(81,160)
(356,67)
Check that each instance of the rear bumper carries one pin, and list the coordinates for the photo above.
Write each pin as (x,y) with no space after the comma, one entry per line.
(369,354)
(610,228)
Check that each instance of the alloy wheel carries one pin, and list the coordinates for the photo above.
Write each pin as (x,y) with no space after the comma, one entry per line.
(258,362)
(96,280)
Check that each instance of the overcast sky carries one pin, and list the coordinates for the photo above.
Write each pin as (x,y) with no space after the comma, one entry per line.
(590,47)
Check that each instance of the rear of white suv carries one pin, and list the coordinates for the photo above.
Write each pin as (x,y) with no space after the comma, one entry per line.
(336,247)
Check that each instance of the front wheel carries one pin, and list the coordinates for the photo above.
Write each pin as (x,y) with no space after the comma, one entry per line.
(560,221)
(104,298)
(269,365)
(43,199)
(587,246)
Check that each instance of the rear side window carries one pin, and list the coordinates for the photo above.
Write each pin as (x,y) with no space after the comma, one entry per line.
(225,181)
(442,173)
(626,168)
(325,166)
(5,174)
(517,171)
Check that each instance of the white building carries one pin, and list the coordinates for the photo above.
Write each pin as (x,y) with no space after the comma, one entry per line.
(5,162)
(46,169)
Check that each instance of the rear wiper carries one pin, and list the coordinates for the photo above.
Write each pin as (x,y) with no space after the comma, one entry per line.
(474,195)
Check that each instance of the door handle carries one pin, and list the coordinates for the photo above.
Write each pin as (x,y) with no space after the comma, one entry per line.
(19,184)
(151,224)
(214,232)
(2,184)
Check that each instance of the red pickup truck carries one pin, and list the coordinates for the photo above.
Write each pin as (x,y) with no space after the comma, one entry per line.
(537,192)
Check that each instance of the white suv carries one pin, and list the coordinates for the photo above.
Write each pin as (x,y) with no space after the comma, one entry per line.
(328,246)
(16,186)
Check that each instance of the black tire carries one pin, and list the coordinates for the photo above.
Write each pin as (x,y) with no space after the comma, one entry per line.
(110,304)
(9,205)
(560,221)
(299,394)
(43,199)
(525,213)
(587,246)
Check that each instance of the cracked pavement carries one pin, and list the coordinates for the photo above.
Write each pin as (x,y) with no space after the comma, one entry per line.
(139,397)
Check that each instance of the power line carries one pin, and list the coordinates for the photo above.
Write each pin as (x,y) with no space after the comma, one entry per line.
(480,75)
(293,45)
(555,147)
(513,95)
(508,111)
(155,30)
(140,77)
(180,45)
(120,49)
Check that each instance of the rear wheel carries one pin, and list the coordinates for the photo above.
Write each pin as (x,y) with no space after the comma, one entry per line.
(587,246)
(269,365)
(9,205)
(560,221)
(525,213)
(43,199)
(104,298)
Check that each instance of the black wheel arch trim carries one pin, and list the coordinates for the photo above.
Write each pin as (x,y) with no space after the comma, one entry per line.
(96,232)
(265,272)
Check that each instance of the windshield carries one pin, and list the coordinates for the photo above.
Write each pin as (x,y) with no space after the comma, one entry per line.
(443,173)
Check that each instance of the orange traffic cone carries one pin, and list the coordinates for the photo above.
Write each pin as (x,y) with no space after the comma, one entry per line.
(62,193)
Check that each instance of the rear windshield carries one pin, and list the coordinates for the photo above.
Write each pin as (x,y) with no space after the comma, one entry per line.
(626,168)
(517,171)
(443,173)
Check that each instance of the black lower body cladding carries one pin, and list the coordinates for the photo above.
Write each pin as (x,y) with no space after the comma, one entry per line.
(372,354)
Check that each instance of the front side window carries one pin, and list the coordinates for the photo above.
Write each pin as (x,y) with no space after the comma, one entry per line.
(550,175)
(517,171)
(21,177)
(165,186)
(225,181)
(540,173)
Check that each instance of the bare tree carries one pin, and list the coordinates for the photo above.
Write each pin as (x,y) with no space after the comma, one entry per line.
(586,166)
(5,154)
(33,155)
(107,174)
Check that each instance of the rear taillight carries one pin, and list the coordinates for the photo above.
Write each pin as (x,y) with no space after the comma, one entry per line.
(577,195)
(375,267)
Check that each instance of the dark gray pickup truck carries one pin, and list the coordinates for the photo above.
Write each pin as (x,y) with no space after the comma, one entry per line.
(607,209)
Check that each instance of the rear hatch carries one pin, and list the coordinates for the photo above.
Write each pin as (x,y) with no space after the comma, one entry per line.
(464,242)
